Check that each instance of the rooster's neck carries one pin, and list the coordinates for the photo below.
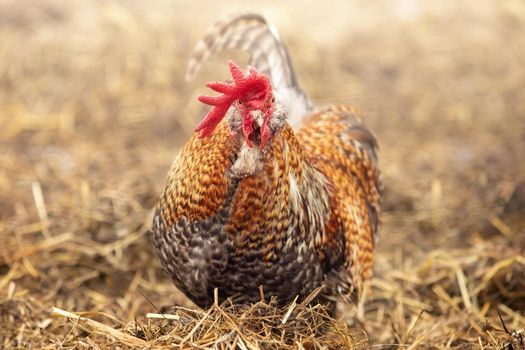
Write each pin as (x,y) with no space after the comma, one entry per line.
(280,197)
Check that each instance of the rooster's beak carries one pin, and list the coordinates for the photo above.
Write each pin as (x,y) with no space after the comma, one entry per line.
(258,116)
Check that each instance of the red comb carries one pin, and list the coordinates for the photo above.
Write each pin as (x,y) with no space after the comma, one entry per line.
(254,87)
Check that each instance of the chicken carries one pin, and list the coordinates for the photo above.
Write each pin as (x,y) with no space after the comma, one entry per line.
(252,201)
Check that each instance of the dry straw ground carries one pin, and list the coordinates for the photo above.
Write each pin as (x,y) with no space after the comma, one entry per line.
(94,106)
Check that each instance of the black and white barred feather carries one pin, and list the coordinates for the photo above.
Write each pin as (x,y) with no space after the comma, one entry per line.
(253,33)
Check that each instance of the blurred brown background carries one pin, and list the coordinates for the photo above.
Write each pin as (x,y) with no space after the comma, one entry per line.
(93,106)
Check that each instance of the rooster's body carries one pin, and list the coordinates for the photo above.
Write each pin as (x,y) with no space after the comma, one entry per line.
(297,212)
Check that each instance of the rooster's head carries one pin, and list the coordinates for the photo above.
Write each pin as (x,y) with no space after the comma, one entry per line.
(251,95)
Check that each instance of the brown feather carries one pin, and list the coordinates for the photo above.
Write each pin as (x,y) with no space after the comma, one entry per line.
(309,210)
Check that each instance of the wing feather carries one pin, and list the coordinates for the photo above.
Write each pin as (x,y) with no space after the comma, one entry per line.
(345,152)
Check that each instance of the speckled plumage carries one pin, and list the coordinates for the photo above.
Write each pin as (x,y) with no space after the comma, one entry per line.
(307,219)
(299,213)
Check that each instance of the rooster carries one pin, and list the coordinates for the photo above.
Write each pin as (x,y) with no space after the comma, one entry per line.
(269,193)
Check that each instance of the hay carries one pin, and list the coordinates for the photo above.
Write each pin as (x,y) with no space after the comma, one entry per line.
(227,326)
(94,107)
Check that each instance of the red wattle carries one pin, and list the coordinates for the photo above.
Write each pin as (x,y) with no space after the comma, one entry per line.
(247,130)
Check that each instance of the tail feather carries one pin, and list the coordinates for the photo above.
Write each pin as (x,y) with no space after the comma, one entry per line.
(251,32)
